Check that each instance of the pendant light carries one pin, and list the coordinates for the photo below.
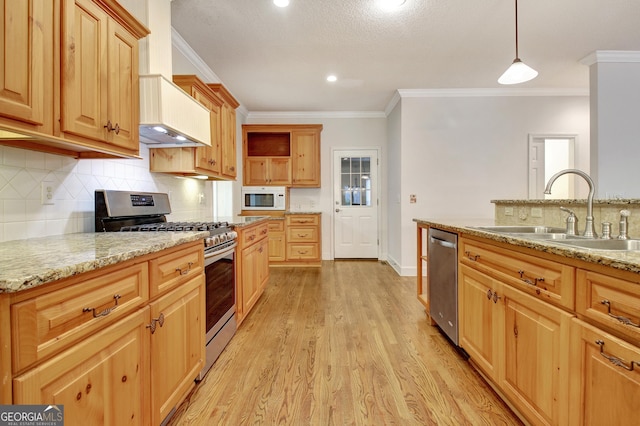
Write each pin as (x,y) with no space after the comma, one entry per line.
(518,72)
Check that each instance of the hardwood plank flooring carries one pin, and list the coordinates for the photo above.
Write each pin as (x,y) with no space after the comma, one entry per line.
(344,344)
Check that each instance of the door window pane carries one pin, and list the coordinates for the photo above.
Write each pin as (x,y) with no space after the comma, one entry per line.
(355,181)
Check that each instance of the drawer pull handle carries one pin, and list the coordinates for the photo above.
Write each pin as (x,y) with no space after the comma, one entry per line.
(252,237)
(264,231)
(185,271)
(616,361)
(489,294)
(302,235)
(154,321)
(624,320)
(106,311)
(528,281)
(472,257)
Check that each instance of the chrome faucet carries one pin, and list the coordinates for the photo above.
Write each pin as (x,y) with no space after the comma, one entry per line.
(589,228)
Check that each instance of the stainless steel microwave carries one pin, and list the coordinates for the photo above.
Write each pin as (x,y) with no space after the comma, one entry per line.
(264,198)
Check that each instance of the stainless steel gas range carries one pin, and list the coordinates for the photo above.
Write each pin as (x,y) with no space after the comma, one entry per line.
(125,211)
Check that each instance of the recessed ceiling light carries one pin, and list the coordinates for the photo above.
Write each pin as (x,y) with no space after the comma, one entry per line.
(332,78)
(390,4)
(281,3)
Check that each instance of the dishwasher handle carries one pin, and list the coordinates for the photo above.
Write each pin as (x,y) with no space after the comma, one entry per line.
(443,243)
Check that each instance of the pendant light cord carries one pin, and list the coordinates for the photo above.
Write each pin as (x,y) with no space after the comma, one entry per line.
(517,57)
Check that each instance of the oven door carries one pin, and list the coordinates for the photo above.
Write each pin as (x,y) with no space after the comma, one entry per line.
(219,289)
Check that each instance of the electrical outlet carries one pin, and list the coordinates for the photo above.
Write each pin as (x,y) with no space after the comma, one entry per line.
(508,211)
(47,189)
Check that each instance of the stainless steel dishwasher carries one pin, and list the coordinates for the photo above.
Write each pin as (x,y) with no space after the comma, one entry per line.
(442,277)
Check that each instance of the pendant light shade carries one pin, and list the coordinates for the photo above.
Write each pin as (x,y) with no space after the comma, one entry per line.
(518,72)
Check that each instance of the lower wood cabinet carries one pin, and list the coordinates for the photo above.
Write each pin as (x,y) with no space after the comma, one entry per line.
(101,381)
(480,319)
(252,267)
(177,346)
(605,377)
(110,359)
(535,370)
(277,242)
(556,363)
(521,343)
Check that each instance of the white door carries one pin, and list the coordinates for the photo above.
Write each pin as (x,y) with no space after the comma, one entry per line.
(355,196)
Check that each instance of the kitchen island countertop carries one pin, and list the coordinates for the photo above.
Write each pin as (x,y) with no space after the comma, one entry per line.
(36,261)
(623,260)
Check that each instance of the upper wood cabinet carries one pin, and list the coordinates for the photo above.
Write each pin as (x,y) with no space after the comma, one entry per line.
(26,87)
(217,161)
(227,131)
(281,154)
(70,83)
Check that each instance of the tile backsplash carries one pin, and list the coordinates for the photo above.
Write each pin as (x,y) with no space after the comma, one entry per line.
(22,173)
(547,212)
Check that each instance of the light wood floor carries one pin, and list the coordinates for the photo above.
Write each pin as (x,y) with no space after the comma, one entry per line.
(345,344)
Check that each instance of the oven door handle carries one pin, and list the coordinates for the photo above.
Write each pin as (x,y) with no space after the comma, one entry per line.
(210,258)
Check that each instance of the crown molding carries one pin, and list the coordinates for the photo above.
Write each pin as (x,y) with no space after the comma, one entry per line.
(472,93)
(611,56)
(315,114)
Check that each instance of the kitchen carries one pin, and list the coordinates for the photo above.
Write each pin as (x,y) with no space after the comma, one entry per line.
(405,140)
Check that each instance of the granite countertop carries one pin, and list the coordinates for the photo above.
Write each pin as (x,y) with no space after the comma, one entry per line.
(242,221)
(623,260)
(36,261)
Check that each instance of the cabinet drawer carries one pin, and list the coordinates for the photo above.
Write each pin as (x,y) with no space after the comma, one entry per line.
(303,219)
(47,323)
(612,302)
(539,277)
(296,234)
(276,226)
(175,268)
(300,251)
(253,234)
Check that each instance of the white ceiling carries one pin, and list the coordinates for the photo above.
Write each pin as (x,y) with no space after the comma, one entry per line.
(275,59)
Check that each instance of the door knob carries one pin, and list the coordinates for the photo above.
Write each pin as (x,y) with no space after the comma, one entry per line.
(337,210)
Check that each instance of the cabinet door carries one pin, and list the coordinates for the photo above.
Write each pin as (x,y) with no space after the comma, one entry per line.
(256,171)
(263,264)
(536,357)
(84,71)
(177,345)
(228,141)
(480,319)
(605,378)
(250,277)
(26,52)
(276,246)
(280,171)
(305,152)
(100,381)
(123,91)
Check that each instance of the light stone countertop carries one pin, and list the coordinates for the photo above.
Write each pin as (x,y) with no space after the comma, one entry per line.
(623,260)
(32,262)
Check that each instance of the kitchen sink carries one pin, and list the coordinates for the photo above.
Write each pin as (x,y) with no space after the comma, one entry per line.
(522,229)
(542,235)
(622,245)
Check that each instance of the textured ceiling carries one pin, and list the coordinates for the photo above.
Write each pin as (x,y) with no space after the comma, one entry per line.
(275,59)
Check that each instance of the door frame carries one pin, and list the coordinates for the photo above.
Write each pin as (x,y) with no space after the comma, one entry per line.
(378,191)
